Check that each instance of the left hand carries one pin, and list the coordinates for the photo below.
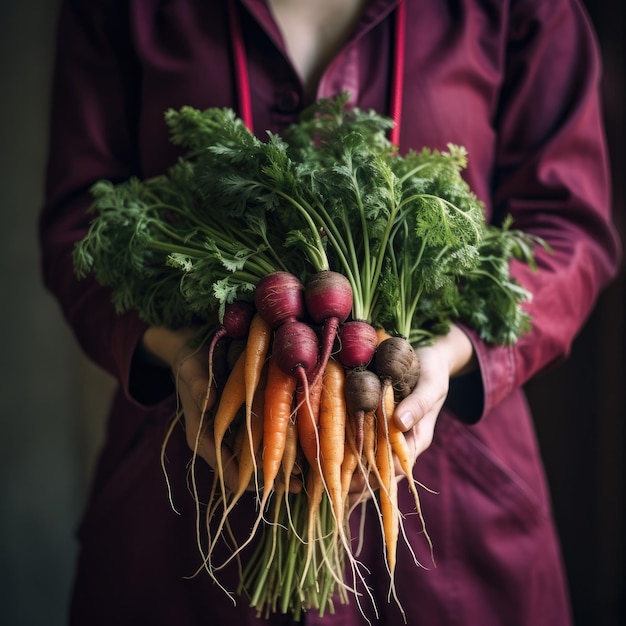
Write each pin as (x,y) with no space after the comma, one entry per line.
(416,415)
(448,356)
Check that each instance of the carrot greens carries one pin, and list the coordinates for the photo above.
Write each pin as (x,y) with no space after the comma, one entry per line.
(254,228)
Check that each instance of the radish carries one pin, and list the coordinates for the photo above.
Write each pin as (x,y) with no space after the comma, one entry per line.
(358,341)
(328,301)
(279,297)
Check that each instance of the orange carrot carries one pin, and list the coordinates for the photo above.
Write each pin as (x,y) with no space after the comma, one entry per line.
(257,347)
(314,492)
(350,461)
(231,400)
(248,453)
(246,456)
(307,420)
(388,492)
(332,433)
(279,393)
(382,334)
(400,448)
(290,453)
(370,441)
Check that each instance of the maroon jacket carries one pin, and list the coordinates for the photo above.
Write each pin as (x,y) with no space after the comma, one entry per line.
(516,82)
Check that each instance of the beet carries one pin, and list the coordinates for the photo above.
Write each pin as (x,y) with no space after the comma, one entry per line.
(358,341)
(397,361)
(279,297)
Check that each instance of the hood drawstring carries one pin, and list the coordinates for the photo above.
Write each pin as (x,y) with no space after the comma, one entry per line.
(397,70)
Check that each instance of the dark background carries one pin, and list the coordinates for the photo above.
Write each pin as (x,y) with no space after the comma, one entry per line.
(580,406)
(53,401)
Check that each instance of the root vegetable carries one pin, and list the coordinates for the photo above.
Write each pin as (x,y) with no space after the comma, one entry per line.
(279,397)
(232,398)
(362,392)
(307,420)
(397,361)
(328,301)
(332,434)
(279,297)
(257,349)
(388,492)
(357,343)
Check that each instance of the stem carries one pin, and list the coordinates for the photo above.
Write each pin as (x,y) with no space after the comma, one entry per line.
(306,213)
(443,202)
(508,294)
(384,242)
(412,172)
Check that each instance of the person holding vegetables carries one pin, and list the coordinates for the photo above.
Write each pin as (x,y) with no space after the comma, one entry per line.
(517,85)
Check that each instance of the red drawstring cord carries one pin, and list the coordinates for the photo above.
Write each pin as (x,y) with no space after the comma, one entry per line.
(397,78)
(397,82)
(241,66)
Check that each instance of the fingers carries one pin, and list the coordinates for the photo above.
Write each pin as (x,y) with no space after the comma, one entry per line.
(425,401)
(197,399)
(420,437)
(191,372)
(448,356)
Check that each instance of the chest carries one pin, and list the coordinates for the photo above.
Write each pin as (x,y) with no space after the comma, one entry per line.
(314,32)
(451,76)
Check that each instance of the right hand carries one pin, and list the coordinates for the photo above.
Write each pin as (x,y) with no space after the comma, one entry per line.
(190,368)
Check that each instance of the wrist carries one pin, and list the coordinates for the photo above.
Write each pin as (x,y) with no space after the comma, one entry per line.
(459,352)
(160,346)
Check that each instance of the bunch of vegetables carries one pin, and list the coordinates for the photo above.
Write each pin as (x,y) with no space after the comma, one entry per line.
(329,256)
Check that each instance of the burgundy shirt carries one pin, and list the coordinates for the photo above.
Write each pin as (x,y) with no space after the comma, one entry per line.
(516,83)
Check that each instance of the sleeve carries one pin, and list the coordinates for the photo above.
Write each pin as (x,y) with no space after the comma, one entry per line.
(552,177)
(93,128)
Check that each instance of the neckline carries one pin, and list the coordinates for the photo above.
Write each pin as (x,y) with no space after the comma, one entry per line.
(244,99)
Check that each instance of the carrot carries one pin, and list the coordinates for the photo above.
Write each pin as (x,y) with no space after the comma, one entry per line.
(399,368)
(276,529)
(257,347)
(388,493)
(382,334)
(279,395)
(290,453)
(307,420)
(370,442)
(367,463)
(232,398)
(230,402)
(400,448)
(315,492)
(246,453)
(332,434)
(278,400)
(350,461)
(289,466)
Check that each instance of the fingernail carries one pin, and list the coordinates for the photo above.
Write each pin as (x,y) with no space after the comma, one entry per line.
(406,420)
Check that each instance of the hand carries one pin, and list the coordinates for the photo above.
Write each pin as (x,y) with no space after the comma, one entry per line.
(190,367)
(417,414)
